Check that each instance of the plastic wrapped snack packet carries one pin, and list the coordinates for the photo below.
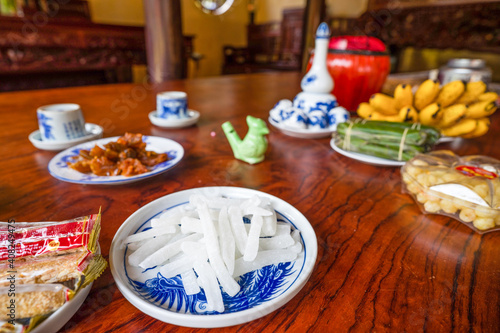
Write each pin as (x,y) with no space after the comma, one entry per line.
(466,188)
(50,252)
(29,304)
(43,265)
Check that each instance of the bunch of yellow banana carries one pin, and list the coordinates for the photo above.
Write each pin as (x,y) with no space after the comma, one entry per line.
(457,109)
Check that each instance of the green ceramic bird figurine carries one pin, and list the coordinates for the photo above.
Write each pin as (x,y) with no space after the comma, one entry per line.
(253,147)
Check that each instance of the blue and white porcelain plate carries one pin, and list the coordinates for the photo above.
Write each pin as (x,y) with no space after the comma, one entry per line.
(59,169)
(262,291)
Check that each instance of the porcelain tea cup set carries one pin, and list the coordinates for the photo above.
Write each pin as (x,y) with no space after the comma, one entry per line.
(62,126)
(172,110)
(314,109)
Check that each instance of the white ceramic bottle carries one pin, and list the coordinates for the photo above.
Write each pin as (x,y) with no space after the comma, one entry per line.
(318,79)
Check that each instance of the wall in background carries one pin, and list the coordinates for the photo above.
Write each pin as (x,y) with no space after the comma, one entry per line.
(123,12)
(342,8)
(213,32)
(271,10)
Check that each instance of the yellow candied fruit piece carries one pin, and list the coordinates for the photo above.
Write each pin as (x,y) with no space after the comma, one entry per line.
(448,207)
(482,223)
(432,206)
(413,171)
(467,215)
(412,188)
(486,212)
(482,190)
(450,177)
(423,179)
(461,204)
(422,198)
(432,179)
(432,197)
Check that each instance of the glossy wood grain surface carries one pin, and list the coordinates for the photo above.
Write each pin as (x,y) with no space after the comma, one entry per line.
(381,266)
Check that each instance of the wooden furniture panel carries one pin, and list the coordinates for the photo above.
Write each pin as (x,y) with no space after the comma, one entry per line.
(61,52)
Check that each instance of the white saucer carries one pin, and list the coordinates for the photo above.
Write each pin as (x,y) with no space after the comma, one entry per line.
(94,132)
(373,160)
(306,133)
(175,123)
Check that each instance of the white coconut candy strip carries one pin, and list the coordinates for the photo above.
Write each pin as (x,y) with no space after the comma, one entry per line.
(208,281)
(264,258)
(297,247)
(191,251)
(166,252)
(189,282)
(177,266)
(173,216)
(226,239)
(195,249)
(230,286)
(254,200)
(190,224)
(256,210)
(253,238)
(150,233)
(135,245)
(270,222)
(282,229)
(219,202)
(238,228)
(148,248)
(276,242)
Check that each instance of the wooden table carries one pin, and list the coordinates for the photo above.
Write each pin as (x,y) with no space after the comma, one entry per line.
(381,266)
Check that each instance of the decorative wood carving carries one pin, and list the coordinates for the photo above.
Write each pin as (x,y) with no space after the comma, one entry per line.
(473,26)
(31,47)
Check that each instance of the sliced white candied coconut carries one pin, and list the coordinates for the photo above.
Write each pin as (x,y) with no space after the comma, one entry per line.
(208,243)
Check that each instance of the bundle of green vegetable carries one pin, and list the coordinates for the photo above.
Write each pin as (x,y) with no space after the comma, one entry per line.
(390,140)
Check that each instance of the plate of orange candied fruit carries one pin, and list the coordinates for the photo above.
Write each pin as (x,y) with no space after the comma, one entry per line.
(116,160)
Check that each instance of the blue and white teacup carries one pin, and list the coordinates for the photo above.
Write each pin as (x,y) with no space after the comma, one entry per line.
(318,120)
(281,111)
(297,119)
(172,105)
(336,116)
(61,122)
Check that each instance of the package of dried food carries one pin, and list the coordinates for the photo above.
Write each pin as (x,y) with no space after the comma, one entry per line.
(466,188)
(51,252)
(28,305)
(29,300)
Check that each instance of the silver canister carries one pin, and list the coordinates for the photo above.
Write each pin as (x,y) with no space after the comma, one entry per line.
(465,70)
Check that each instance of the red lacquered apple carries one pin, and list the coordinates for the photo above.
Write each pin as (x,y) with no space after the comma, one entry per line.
(359,66)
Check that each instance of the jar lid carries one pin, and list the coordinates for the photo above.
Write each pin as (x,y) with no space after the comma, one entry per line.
(467,63)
